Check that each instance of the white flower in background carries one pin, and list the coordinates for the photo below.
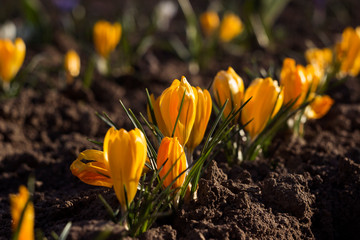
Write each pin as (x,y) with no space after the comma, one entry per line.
(8,31)
(164,12)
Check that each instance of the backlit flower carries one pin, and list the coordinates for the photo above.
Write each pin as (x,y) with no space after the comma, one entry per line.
(209,22)
(228,85)
(319,107)
(171,152)
(106,37)
(72,65)
(18,202)
(158,117)
(294,80)
(231,26)
(126,155)
(12,56)
(266,101)
(321,57)
(203,112)
(169,104)
(92,168)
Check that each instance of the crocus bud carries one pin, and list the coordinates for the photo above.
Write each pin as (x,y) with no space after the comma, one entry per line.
(230,27)
(319,107)
(169,104)
(266,101)
(228,85)
(348,52)
(171,152)
(294,81)
(203,112)
(209,22)
(106,37)
(71,65)
(18,202)
(12,56)
(126,154)
(158,117)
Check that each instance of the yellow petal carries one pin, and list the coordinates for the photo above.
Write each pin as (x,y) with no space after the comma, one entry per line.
(203,112)
(209,22)
(106,37)
(126,153)
(18,202)
(92,168)
(72,63)
(11,58)
(319,107)
(231,26)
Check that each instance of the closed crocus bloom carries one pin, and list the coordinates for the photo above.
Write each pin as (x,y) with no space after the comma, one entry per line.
(126,154)
(171,152)
(106,37)
(92,168)
(72,65)
(230,27)
(228,86)
(266,101)
(348,52)
(159,120)
(321,57)
(203,112)
(18,202)
(314,76)
(294,80)
(169,104)
(319,107)
(12,56)
(209,22)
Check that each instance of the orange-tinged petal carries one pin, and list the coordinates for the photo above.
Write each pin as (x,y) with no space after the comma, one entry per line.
(18,202)
(92,168)
(319,107)
(171,152)
(106,37)
(11,58)
(209,22)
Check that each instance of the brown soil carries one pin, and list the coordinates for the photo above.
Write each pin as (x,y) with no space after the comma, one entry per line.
(303,189)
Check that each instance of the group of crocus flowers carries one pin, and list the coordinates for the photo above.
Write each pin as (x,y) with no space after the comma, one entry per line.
(181,113)
(229,28)
(12,55)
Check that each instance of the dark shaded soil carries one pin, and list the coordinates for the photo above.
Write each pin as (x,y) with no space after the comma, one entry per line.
(304,189)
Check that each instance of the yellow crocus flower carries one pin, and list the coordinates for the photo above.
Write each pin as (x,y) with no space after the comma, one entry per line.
(92,168)
(203,112)
(12,56)
(71,65)
(169,104)
(18,202)
(294,80)
(266,101)
(106,37)
(209,22)
(321,57)
(231,26)
(319,107)
(228,85)
(348,52)
(126,155)
(171,152)
(159,120)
